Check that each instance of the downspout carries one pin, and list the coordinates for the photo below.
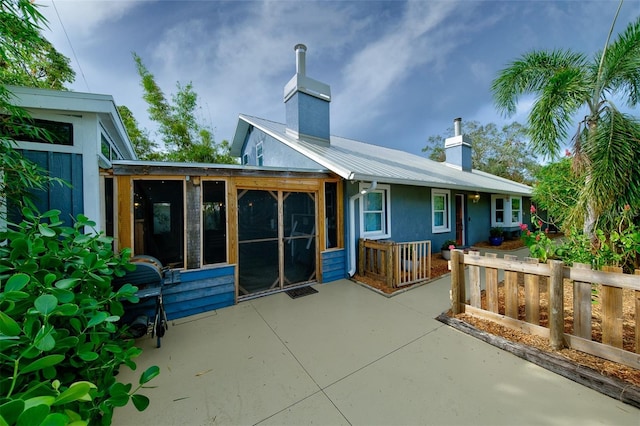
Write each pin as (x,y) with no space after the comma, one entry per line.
(352,226)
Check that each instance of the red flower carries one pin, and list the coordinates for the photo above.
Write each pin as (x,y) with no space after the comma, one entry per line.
(538,237)
(533,208)
(452,247)
(567,153)
(539,223)
(528,233)
(523,226)
(627,207)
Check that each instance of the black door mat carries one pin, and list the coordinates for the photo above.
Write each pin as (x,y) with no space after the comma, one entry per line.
(299,292)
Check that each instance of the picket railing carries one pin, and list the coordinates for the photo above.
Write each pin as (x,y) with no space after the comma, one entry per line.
(557,275)
(395,264)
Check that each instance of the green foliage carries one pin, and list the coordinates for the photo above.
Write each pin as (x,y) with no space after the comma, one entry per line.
(502,151)
(144,147)
(605,145)
(183,136)
(619,247)
(555,190)
(60,341)
(447,245)
(27,58)
(496,231)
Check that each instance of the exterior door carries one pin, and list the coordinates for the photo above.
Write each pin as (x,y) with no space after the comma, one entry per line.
(276,240)
(460,240)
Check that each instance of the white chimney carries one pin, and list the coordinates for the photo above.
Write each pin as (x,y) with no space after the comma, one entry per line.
(458,148)
(307,103)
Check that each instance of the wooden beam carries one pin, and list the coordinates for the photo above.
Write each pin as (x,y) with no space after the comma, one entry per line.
(556,304)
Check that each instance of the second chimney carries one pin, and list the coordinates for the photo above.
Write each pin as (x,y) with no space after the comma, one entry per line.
(458,148)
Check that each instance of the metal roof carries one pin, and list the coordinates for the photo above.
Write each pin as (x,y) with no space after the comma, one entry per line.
(359,161)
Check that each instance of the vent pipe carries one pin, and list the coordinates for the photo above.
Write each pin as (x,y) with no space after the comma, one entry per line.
(300,59)
(457,126)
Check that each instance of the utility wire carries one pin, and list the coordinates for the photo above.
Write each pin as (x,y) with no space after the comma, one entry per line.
(71,46)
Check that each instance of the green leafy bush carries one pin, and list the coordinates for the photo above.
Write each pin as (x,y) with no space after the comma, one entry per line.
(61,343)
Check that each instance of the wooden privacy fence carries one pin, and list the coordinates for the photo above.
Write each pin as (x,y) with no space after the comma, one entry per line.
(541,286)
(395,264)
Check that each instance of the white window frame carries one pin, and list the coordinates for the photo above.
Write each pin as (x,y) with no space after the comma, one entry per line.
(507,210)
(259,154)
(385,190)
(447,211)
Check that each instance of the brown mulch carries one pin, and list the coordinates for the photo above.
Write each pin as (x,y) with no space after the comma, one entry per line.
(631,376)
(439,267)
(604,367)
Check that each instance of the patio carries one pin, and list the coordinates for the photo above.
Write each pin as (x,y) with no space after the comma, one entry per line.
(347,355)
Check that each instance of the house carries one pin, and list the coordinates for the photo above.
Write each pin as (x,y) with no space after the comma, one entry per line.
(291,214)
(88,134)
(388,194)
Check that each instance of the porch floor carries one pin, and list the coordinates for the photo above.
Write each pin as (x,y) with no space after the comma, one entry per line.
(347,355)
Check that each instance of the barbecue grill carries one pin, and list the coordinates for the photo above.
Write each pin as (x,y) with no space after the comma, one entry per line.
(149,277)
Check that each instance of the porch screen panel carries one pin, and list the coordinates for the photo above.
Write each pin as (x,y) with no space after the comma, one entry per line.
(300,237)
(258,268)
(159,220)
(214,217)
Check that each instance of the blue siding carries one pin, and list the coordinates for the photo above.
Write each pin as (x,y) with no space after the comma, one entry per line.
(308,115)
(334,265)
(200,290)
(68,167)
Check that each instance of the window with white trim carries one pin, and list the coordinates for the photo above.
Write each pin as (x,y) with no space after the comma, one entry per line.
(259,157)
(506,210)
(440,210)
(375,213)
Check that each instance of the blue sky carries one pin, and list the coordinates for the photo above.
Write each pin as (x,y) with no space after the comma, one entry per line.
(399,71)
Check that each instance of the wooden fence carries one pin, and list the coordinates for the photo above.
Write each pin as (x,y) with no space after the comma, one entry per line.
(536,285)
(395,264)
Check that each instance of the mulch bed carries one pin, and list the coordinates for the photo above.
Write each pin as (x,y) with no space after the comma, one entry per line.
(616,380)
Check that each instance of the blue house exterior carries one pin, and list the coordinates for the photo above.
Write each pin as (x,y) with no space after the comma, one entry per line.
(387,194)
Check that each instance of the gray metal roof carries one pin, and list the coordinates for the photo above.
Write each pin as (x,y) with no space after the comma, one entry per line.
(360,161)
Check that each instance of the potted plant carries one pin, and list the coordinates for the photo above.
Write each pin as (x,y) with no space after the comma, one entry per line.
(496,236)
(445,249)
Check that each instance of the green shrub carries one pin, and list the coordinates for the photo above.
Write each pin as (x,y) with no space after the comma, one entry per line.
(61,344)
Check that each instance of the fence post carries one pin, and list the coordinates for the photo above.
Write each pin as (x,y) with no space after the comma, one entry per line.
(475,295)
(532,295)
(361,251)
(491,277)
(511,290)
(556,305)
(457,282)
(389,266)
(612,321)
(582,305)
(637,296)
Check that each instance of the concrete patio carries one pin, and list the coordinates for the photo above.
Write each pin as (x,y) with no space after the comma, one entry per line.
(349,356)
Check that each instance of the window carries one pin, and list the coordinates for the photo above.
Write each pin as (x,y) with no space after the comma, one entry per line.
(159,220)
(506,210)
(37,130)
(375,220)
(516,210)
(259,158)
(214,218)
(440,211)
(331,214)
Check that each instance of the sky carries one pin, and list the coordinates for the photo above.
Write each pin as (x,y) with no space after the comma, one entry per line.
(399,71)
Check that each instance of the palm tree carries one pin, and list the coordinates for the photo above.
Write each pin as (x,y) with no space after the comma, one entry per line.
(606,144)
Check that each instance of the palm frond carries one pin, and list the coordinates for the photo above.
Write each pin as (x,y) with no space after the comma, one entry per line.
(621,65)
(614,153)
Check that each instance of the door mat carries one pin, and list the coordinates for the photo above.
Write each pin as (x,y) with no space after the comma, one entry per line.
(299,292)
